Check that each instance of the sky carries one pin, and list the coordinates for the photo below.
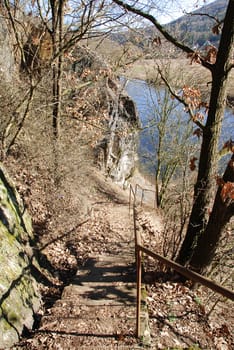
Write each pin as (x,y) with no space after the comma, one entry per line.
(175,8)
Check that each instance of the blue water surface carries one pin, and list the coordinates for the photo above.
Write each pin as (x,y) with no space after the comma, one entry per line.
(149,101)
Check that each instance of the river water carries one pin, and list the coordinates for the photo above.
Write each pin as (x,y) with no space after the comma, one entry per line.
(153,104)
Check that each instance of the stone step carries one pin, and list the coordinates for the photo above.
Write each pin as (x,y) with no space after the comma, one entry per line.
(77,341)
(107,275)
(101,292)
(71,308)
(110,258)
(106,265)
(91,326)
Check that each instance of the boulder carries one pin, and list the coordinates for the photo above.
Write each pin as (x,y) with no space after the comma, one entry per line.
(19,293)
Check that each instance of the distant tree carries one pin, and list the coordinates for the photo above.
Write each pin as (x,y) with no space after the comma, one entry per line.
(168,140)
(44,34)
(67,23)
(220,67)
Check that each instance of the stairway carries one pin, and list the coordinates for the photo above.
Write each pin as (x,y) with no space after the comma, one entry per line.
(98,309)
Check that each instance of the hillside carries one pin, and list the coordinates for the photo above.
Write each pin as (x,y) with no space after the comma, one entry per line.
(195,29)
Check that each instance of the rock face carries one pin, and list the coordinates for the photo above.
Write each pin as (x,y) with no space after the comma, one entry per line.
(19,296)
(6,53)
(117,152)
(120,144)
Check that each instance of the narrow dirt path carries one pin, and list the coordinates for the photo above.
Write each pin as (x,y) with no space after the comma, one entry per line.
(98,309)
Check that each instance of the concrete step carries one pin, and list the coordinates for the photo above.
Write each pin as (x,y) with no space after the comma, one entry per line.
(70,308)
(103,280)
(90,325)
(101,293)
(78,341)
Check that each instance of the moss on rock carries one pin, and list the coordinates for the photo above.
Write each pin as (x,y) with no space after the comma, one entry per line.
(19,295)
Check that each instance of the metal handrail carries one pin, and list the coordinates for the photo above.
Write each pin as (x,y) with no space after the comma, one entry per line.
(140,249)
(136,191)
(131,192)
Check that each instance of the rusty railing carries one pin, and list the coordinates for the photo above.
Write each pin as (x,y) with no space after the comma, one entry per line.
(140,250)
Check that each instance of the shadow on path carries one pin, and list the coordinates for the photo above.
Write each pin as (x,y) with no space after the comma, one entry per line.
(107,278)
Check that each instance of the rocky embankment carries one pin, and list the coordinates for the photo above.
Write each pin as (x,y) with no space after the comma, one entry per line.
(19,295)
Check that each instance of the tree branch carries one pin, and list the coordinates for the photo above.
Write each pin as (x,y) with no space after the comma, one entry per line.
(164,32)
(16,33)
(181,100)
(205,15)
(231,67)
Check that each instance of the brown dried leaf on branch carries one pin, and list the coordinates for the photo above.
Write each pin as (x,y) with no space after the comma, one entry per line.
(229,146)
(195,57)
(216,29)
(192,164)
(227,192)
(211,54)
(157,41)
(198,133)
(192,97)
(198,116)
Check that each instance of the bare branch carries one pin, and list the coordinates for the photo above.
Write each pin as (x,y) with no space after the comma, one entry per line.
(205,15)
(164,32)
(231,67)
(88,123)
(16,34)
(181,100)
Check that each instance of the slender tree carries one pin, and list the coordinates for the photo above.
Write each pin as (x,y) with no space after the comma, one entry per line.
(168,145)
(209,150)
(57,10)
(223,210)
(49,32)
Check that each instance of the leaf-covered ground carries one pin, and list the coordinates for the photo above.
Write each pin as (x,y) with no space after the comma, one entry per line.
(179,317)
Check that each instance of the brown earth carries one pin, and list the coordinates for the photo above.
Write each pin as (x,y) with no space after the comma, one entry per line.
(90,301)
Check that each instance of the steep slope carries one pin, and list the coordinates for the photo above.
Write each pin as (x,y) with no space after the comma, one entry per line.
(196,29)
(19,291)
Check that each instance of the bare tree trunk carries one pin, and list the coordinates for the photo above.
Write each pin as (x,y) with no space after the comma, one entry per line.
(57,8)
(222,211)
(211,133)
(57,38)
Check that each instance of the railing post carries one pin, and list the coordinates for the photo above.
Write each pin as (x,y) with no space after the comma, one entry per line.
(130,198)
(142,196)
(140,250)
(138,316)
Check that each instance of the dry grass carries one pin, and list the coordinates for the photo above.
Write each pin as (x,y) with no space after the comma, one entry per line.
(180,70)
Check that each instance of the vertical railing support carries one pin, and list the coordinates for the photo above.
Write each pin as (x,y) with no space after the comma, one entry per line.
(135,231)
(140,250)
(142,196)
(130,198)
(136,187)
(138,316)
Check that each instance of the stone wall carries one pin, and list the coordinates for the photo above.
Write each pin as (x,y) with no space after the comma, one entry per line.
(19,295)
(122,138)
